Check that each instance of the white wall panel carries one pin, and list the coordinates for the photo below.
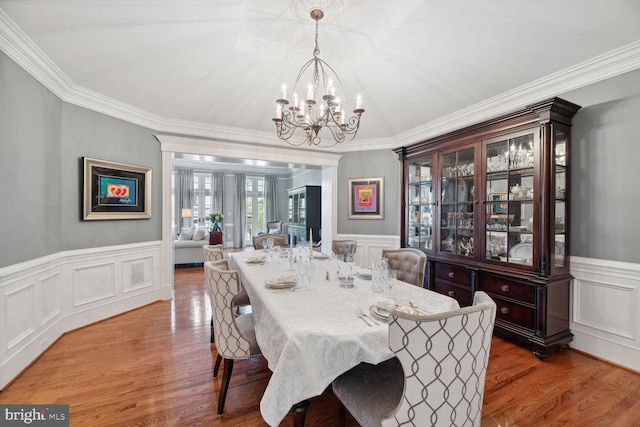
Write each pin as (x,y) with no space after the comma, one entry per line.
(605,310)
(41,299)
(371,246)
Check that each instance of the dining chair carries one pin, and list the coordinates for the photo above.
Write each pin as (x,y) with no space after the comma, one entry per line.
(273,227)
(216,253)
(278,240)
(344,247)
(213,252)
(437,377)
(410,264)
(234,335)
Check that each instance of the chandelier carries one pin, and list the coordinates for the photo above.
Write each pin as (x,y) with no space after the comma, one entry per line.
(317,111)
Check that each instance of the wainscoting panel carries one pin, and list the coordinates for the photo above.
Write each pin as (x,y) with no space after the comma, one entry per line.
(46,297)
(605,310)
(371,246)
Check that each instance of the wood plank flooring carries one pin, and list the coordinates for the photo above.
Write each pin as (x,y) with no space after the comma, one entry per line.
(153,367)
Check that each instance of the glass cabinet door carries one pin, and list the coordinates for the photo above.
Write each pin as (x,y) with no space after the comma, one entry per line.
(559,153)
(420,201)
(510,214)
(457,192)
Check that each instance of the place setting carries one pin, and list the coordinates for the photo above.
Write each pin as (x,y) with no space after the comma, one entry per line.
(282,283)
(382,308)
(256,259)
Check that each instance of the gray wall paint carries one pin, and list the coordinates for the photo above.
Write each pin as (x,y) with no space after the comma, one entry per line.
(370,164)
(605,199)
(86,133)
(30,167)
(42,141)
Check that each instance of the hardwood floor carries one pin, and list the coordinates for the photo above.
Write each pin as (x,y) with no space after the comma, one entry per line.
(153,367)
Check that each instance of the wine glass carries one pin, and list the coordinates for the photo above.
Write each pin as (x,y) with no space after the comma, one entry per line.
(351,261)
(268,246)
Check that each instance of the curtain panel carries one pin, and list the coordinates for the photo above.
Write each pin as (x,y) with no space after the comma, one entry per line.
(183,195)
(218,192)
(239,210)
(271,198)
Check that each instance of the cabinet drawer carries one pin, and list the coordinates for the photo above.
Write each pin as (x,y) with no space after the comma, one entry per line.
(515,313)
(508,288)
(460,294)
(451,273)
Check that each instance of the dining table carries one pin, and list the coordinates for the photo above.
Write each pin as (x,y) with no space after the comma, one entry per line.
(314,330)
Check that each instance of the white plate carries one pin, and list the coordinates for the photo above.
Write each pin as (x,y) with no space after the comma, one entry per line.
(256,261)
(384,314)
(522,250)
(276,284)
(364,276)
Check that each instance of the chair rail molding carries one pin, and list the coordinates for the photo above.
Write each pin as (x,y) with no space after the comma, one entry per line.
(605,316)
(43,298)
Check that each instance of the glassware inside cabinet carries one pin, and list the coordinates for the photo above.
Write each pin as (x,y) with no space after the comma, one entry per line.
(420,192)
(510,200)
(457,196)
(560,172)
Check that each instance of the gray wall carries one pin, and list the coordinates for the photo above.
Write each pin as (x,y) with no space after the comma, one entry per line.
(41,142)
(30,166)
(370,164)
(605,198)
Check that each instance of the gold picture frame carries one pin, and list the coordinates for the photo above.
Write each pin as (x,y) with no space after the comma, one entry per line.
(366,198)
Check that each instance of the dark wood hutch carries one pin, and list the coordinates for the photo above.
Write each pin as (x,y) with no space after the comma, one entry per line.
(489,205)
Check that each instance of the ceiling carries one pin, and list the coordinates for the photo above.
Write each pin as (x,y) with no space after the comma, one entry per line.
(213,68)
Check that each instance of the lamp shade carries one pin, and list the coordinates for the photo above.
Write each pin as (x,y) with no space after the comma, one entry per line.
(187,213)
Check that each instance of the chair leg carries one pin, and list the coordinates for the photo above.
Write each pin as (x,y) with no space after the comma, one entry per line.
(216,367)
(212,337)
(342,414)
(226,377)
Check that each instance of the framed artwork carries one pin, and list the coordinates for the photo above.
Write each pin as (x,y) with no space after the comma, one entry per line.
(115,191)
(366,198)
(499,208)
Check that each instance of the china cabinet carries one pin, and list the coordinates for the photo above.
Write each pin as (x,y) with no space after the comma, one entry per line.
(488,204)
(304,212)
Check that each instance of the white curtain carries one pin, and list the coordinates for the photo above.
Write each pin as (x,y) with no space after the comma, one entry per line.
(271,197)
(239,210)
(183,195)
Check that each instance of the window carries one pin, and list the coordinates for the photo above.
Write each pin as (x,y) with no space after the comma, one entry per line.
(202,199)
(255,207)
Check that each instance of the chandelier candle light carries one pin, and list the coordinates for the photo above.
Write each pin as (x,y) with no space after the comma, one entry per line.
(316,111)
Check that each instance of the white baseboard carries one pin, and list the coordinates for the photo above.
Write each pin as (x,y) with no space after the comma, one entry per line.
(41,299)
(605,314)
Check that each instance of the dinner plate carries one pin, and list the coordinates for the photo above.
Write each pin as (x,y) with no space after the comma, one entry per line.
(276,284)
(321,256)
(364,276)
(256,261)
(384,314)
(521,250)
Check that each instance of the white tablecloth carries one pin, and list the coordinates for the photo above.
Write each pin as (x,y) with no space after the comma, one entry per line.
(311,336)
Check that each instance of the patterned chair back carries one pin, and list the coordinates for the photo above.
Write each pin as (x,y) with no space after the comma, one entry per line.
(278,240)
(212,252)
(344,247)
(274,227)
(410,263)
(223,286)
(444,358)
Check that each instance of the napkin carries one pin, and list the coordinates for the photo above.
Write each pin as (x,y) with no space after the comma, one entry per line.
(385,304)
(257,258)
(319,255)
(284,279)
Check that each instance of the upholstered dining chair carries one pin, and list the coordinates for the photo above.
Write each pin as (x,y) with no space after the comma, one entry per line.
(235,336)
(410,264)
(278,240)
(215,253)
(273,227)
(437,377)
(344,247)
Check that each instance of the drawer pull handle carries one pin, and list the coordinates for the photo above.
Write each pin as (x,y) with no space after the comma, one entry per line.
(504,310)
(505,288)
(452,275)
(450,293)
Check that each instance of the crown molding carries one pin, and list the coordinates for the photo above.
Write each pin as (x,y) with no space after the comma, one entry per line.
(17,45)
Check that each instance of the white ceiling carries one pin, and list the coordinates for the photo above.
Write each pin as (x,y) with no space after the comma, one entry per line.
(213,68)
